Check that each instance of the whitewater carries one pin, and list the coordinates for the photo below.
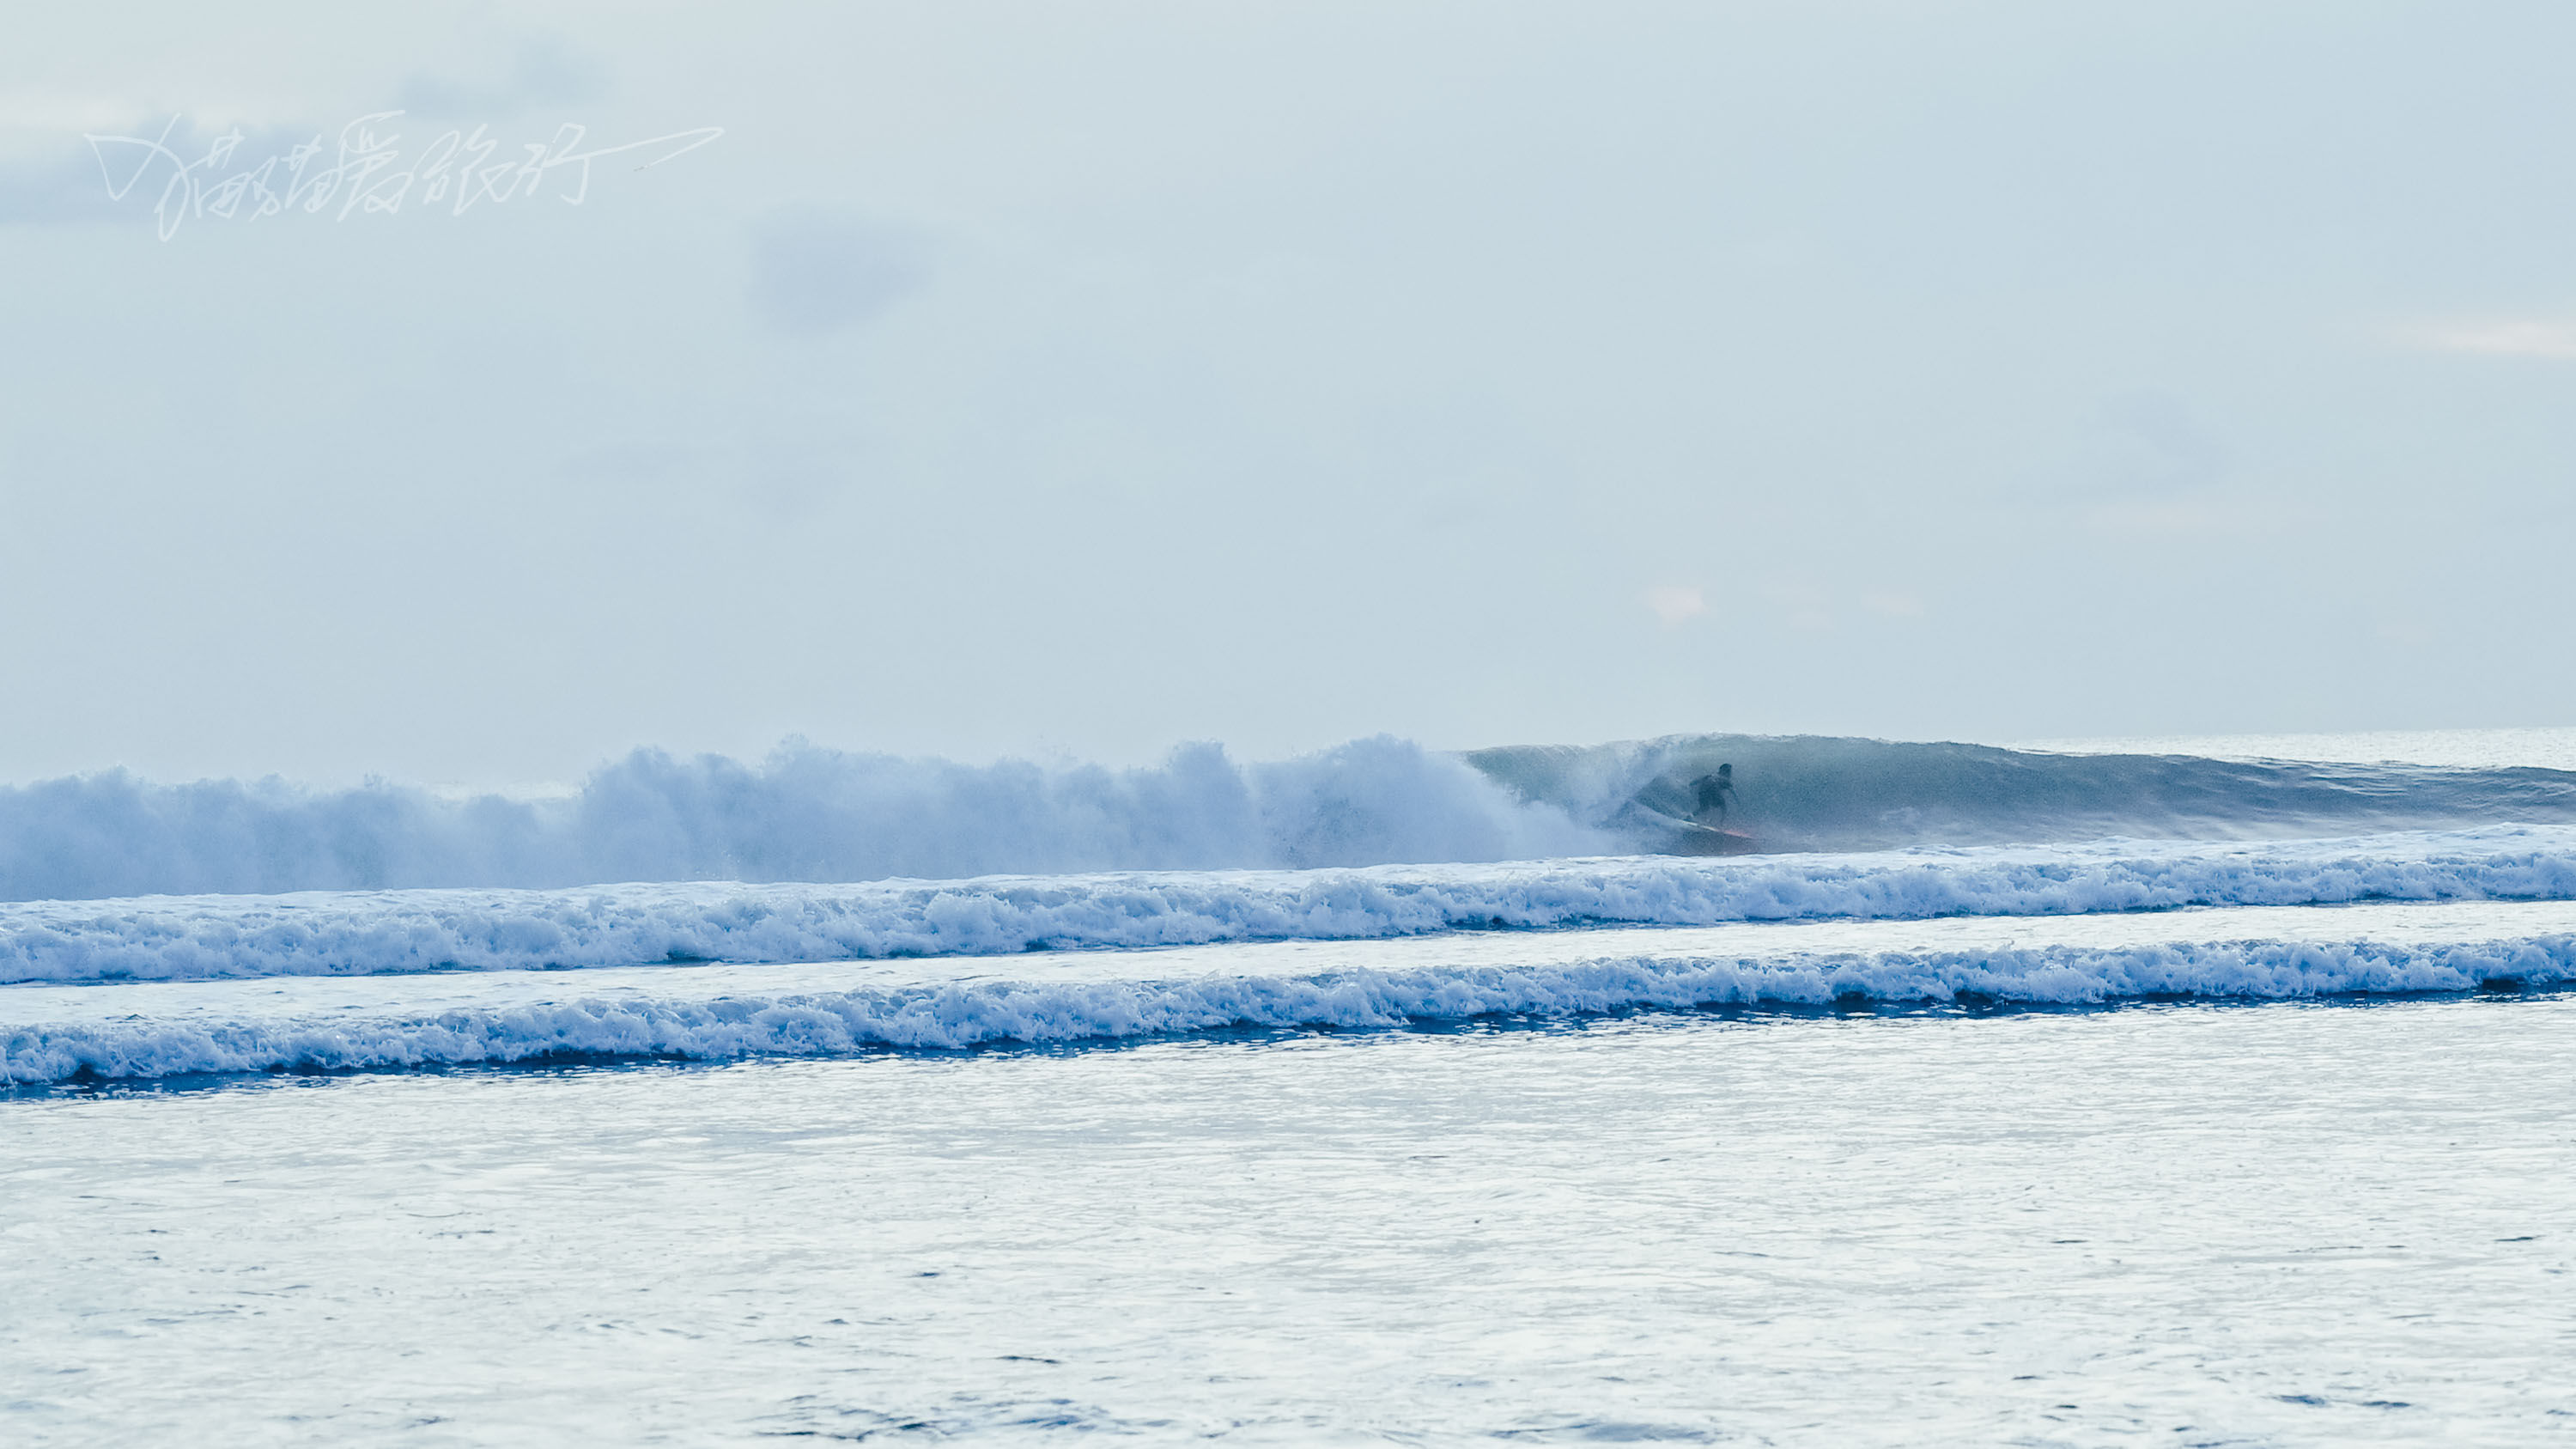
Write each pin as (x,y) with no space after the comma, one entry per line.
(1056,959)
(1384,1092)
(722,1012)
(811,814)
(118,886)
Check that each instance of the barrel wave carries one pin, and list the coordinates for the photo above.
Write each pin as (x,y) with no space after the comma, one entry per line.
(816,815)
(821,903)
(1804,792)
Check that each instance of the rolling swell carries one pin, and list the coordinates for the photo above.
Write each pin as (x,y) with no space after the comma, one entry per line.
(1806,792)
(818,815)
(378,933)
(972,1014)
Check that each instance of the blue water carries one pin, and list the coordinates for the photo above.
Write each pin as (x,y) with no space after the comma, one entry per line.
(2228,1134)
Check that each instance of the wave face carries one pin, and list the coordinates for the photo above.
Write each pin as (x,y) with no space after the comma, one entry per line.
(816,815)
(375,933)
(1803,792)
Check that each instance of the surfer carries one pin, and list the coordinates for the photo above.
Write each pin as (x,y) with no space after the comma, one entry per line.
(1716,792)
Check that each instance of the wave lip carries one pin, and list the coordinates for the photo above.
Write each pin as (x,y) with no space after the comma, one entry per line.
(812,814)
(1809,792)
(965,1015)
(803,814)
(381,933)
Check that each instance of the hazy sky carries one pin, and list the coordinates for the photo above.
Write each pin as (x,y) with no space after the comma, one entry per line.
(1076,378)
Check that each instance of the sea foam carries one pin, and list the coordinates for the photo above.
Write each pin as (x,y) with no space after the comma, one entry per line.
(812,814)
(366,933)
(967,1014)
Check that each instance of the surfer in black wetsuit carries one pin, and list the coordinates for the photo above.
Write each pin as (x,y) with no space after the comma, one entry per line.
(1716,792)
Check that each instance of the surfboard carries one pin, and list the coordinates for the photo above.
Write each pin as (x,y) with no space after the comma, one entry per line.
(1693,838)
(1710,840)
(1687,837)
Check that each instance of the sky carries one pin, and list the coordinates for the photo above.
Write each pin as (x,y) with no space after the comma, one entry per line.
(1072,379)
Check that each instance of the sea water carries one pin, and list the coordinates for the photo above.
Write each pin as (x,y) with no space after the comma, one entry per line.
(2214,1138)
(2204,1225)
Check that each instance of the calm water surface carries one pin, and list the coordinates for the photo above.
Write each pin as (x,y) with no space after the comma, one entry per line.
(2284,1224)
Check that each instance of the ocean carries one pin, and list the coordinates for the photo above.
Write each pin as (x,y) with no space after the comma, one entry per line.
(2208,1091)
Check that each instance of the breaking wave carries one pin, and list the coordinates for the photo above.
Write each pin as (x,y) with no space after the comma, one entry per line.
(970,1014)
(816,815)
(804,814)
(1805,792)
(370,933)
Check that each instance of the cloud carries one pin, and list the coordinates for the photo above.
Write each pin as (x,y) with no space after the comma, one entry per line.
(2194,517)
(546,72)
(2150,443)
(60,186)
(814,273)
(2520,338)
(1675,603)
(108,171)
(123,172)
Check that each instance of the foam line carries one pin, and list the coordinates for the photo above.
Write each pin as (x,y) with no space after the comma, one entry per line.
(404,931)
(962,1015)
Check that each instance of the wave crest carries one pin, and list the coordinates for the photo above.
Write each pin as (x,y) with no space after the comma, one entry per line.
(805,814)
(498,930)
(818,815)
(965,1015)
